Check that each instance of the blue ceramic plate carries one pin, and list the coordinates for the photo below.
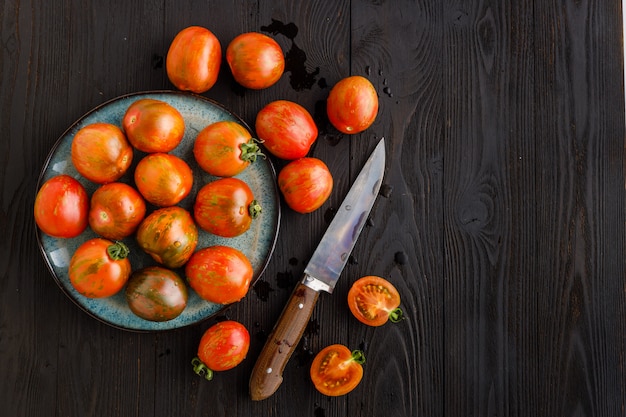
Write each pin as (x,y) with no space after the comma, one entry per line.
(257,243)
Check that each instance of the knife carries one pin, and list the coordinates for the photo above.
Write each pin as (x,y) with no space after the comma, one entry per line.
(320,274)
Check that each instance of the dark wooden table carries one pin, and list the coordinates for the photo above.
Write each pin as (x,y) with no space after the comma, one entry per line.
(501,222)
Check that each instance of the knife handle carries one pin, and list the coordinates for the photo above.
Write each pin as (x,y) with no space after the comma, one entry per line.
(267,374)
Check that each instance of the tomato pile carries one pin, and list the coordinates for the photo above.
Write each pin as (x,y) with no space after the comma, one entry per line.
(149,210)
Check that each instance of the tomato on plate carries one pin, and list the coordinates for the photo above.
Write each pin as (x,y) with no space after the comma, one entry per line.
(374,300)
(116,210)
(225,148)
(336,370)
(99,268)
(62,207)
(352,104)
(226,207)
(255,60)
(222,347)
(286,129)
(220,274)
(153,125)
(155,293)
(306,184)
(101,153)
(193,59)
(163,179)
(168,235)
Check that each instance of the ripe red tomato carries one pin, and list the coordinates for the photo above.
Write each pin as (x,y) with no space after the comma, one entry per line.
(226,207)
(220,274)
(374,300)
(99,268)
(337,371)
(222,347)
(163,179)
(255,60)
(153,125)
(306,184)
(168,235)
(156,294)
(116,210)
(286,129)
(62,207)
(101,153)
(193,59)
(225,148)
(352,104)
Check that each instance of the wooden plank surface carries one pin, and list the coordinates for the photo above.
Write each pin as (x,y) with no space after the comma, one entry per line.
(501,220)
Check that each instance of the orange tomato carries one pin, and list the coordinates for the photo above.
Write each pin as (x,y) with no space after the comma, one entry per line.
(116,210)
(352,104)
(193,59)
(222,347)
(374,300)
(163,179)
(306,184)
(153,125)
(336,370)
(255,60)
(62,207)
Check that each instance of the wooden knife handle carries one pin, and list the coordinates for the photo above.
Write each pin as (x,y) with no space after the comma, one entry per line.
(267,374)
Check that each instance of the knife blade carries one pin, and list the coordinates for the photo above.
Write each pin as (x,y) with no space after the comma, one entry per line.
(320,274)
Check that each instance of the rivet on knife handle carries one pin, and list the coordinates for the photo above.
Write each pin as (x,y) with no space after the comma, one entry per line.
(267,374)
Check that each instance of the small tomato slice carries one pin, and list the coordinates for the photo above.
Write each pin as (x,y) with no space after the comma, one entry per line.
(336,370)
(222,347)
(101,153)
(62,207)
(155,293)
(286,129)
(255,60)
(169,235)
(193,59)
(226,207)
(220,274)
(163,179)
(116,210)
(352,104)
(99,268)
(306,184)
(153,125)
(225,148)
(374,300)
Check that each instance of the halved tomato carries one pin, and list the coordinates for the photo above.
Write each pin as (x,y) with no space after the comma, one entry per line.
(374,300)
(336,370)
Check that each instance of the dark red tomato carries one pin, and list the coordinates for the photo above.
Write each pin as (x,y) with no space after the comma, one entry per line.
(225,207)
(99,268)
(193,59)
(225,148)
(306,184)
(156,294)
(168,235)
(352,104)
(62,207)
(116,210)
(153,125)
(163,179)
(374,300)
(219,274)
(286,129)
(101,153)
(222,347)
(336,370)
(255,60)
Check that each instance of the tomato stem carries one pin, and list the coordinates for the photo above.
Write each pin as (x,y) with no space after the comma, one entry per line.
(201,369)
(358,356)
(254,209)
(396,315)
(118,251)
(250,150)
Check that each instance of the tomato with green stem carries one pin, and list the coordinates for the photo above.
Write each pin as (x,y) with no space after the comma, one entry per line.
(336,370)
(222,347)
(373,301)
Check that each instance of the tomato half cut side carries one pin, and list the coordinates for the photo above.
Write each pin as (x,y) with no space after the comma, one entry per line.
(374,300)
(336,370)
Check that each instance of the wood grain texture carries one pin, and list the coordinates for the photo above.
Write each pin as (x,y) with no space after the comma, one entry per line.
(501,220)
